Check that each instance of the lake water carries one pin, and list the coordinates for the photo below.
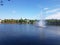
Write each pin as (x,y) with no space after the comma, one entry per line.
(28,34)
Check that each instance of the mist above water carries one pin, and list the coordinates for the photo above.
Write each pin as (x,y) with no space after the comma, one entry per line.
(41,23)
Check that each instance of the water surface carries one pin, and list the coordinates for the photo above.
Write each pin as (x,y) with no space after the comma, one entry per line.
(28,34)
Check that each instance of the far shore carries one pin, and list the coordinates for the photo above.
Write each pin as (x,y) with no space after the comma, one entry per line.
(54,22)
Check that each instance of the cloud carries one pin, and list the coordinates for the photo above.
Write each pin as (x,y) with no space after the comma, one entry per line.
(46,8)
(53,11)
(54,16)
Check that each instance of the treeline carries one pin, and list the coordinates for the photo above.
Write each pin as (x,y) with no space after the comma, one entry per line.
(53,22)
(28,21)
(19,21)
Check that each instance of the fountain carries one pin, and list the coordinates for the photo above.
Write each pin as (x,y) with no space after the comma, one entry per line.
(41,22)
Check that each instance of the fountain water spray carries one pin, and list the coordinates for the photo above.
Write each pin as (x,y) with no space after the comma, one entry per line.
(41,22)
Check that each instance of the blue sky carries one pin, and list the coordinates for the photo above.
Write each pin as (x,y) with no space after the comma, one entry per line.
(30,9)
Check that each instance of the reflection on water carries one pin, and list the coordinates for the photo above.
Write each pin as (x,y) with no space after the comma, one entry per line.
(28,34)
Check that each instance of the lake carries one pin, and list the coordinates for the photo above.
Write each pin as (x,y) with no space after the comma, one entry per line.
(28,34)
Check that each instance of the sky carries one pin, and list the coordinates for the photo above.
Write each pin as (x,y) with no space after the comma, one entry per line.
(30,9)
